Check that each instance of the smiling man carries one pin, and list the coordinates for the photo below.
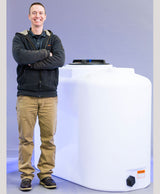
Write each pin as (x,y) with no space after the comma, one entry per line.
(39,53)
(37,16)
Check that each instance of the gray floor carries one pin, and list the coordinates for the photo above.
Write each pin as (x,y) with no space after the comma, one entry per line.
(63,187)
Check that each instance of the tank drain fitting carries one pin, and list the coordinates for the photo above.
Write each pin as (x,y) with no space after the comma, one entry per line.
(131,181)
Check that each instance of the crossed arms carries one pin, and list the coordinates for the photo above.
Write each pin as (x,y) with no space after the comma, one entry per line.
(39,59)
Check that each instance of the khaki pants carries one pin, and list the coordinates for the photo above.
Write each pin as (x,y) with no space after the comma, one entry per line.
(28,108)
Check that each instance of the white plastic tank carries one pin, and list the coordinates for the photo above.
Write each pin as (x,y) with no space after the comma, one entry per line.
(103,134)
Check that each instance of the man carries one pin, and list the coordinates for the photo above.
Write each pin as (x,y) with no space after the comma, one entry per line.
(38,53)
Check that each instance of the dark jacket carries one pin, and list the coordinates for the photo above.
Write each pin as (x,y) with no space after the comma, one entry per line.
(40,79)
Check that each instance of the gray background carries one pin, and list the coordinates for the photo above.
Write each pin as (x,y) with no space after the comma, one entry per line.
(119,31)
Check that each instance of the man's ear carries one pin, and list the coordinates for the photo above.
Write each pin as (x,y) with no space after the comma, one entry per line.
(29,17)
(45,17)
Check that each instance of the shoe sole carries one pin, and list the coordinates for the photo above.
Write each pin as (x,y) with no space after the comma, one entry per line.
(25,189)
(48,187)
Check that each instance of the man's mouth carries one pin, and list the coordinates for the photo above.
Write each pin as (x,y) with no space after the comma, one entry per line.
(37,20)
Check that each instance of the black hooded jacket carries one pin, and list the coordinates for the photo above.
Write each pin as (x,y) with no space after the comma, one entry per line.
(37,71)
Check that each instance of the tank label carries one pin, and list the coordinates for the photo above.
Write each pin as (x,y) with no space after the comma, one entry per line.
(138,173)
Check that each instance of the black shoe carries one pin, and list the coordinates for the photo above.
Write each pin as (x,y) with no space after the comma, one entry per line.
(48,183)
(26,185)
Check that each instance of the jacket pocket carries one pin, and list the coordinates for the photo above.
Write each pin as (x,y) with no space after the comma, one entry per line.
(29,79)
(49,79)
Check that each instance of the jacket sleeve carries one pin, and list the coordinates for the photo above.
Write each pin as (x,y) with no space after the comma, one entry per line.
(57,59)
(24,56)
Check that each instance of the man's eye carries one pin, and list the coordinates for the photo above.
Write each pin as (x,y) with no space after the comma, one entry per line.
(35,13)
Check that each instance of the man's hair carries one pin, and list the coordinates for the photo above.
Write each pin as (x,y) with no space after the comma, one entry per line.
(36,3)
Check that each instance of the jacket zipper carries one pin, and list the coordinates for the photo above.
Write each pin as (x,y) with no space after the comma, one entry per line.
(40,75)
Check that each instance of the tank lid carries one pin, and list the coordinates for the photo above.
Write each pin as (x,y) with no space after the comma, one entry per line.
(89,62)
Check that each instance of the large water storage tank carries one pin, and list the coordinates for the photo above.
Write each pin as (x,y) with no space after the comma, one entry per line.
(103,134)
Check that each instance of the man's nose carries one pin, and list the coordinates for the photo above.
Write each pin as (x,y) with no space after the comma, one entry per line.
(37,14)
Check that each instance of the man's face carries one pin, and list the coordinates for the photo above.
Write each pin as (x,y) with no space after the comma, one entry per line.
(37,15)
